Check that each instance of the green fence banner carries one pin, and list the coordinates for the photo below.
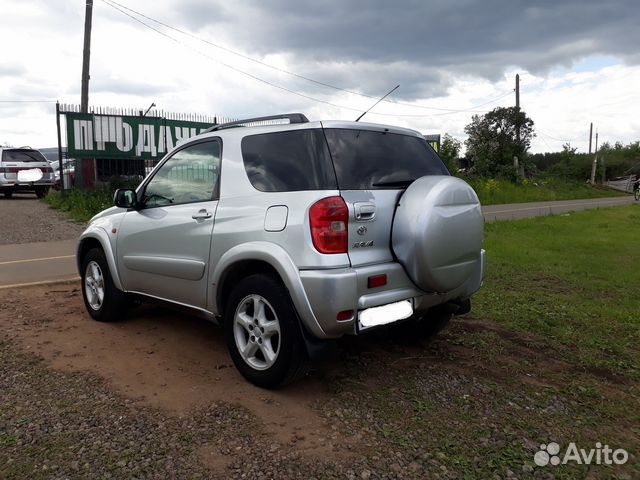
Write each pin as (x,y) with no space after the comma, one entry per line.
(122,136)
(434,141)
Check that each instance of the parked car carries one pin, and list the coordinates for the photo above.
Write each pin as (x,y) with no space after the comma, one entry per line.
(290,236)
(69,167)
(24,169)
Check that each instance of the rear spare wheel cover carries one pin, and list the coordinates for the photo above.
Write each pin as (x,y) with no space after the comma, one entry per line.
(438,232)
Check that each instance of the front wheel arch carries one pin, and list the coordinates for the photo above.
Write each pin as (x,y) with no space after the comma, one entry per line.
(96,237)
(110,305)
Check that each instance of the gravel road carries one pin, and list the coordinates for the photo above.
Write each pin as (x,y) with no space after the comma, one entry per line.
(25,219)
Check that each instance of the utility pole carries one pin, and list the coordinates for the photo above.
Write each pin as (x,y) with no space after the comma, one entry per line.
(86,55)
(87,165)
(590,136)
(595,163)
(516,165)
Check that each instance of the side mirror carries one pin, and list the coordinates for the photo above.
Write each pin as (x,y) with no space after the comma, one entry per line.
(125,198)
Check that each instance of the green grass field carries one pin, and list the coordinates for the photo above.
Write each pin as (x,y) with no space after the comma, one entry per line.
(80,205)
(494,191)
(549,353)
(572,280)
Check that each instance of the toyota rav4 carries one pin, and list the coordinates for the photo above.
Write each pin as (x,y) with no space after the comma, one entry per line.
(291,235)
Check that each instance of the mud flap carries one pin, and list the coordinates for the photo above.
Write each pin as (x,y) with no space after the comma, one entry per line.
(317,349)
(463,306)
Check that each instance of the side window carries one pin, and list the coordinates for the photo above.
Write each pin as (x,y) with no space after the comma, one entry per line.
(190,175)
(288,161)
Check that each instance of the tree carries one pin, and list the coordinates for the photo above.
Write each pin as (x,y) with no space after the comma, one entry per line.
(493,140)
(450,151)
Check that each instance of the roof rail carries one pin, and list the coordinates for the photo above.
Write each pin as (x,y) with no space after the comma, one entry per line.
(292,117)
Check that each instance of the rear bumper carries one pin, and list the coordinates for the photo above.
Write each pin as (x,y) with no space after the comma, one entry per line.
(14,185)
(330,292)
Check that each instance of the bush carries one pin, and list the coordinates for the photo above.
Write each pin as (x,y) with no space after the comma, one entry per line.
(81,205)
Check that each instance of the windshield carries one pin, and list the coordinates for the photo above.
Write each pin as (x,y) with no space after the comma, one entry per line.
(369,160)
(23,156)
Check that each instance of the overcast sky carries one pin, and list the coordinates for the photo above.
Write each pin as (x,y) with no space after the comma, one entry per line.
(579,62)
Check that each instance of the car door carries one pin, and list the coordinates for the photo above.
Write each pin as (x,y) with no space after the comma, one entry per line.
(163,245)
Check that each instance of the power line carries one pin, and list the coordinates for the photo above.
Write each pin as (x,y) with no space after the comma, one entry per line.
(121,8)
(226,64)
(553,138)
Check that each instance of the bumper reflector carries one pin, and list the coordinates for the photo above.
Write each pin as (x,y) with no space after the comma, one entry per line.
(377,281)
(344,315)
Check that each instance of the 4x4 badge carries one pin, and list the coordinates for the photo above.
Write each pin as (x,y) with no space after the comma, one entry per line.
(362,230)
(363,244)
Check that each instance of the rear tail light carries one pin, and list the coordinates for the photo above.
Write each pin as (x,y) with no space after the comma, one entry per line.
(329,219)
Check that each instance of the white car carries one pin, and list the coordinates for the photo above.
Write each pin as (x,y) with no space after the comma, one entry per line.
(24,169)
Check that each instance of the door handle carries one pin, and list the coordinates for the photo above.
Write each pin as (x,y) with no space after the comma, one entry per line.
(364,211)
(202,215)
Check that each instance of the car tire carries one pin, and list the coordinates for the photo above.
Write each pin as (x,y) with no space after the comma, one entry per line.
(8,194)
(41,192)
(262,332)
(103,301)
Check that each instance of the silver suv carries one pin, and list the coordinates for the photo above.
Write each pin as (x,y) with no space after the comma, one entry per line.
(291,235)
(24,169)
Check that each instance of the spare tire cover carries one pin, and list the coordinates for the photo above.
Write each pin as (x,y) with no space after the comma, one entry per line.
(438,232)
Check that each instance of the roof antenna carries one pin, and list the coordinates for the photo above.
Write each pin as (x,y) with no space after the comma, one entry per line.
(367,111)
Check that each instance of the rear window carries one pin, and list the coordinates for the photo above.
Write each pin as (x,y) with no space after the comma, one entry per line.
(22,156)
(366,160)
(288,161)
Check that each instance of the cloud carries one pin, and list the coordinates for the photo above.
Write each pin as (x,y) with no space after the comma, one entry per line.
(468,37)
(12,70)
(450,54)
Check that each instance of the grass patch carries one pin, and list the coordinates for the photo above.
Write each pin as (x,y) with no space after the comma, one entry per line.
(573,281)
(81,205)
(493,191)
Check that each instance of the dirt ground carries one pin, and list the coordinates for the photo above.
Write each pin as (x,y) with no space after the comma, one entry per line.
(379,408)
(25,219)
(162,358)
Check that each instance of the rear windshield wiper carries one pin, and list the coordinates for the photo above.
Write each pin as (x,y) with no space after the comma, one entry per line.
(394,183)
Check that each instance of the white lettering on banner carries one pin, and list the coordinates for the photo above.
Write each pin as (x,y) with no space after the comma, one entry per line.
(165,139)
(146,140)
(83,134)
(110,130)
(182,133)
(124,135)
(104,133)
(101,131)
